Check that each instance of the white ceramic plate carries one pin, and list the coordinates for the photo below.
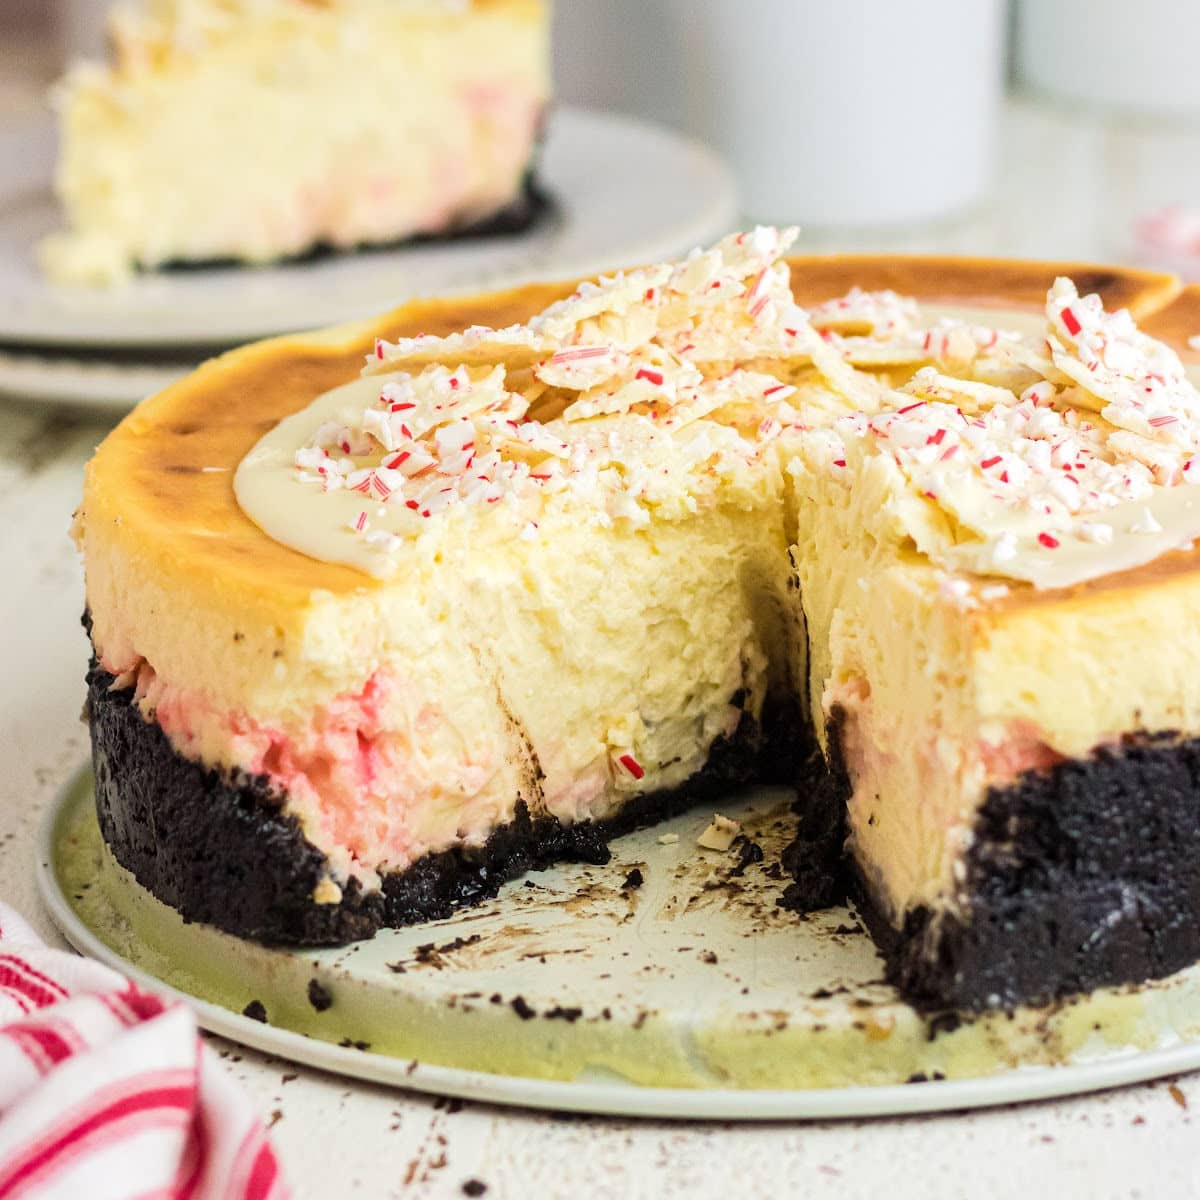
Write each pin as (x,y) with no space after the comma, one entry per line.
(626,192)
(95,384)
(577,938)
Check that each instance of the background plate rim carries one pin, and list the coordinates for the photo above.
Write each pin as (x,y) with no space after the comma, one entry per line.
(99,387)
(714,211)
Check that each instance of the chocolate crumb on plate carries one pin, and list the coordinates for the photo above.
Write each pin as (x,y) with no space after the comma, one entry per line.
(522,1008)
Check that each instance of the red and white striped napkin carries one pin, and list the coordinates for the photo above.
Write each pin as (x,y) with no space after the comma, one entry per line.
(107,1092)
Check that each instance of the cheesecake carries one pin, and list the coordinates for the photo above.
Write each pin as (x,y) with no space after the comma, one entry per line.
(998,597)
(229,131)
(387,615)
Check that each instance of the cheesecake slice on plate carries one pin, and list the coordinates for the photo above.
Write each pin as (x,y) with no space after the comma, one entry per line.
(386,615)
(221,130)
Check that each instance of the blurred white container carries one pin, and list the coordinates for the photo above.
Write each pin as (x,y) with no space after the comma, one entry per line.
(1113,54)
(621,55)
(853,115)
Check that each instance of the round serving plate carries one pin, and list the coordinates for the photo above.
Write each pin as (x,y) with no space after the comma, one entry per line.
(94,383)
(666,984)
(623,191)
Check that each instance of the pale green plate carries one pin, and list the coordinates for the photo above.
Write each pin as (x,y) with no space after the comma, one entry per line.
(692,995)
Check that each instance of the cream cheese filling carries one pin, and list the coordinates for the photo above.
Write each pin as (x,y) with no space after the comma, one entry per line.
(610,494)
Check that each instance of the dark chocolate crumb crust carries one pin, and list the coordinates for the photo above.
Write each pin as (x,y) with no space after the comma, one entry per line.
(256,1011)
(1086,875)
(1083,876)
(529,207)
(817,860)
(218,847)
(319,996)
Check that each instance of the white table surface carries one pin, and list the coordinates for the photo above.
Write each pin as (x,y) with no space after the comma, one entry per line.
(339,1138)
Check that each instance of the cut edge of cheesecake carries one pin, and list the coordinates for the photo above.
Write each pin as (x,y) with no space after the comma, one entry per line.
(313,362)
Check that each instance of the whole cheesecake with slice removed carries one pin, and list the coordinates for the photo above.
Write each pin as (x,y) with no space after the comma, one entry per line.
(913,533)
(226,130)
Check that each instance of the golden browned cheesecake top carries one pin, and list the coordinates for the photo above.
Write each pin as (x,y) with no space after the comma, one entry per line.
(165,474)
(993,282)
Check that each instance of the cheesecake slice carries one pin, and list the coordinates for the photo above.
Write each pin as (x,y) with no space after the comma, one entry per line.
(506,637)
(231,131)
(372,639)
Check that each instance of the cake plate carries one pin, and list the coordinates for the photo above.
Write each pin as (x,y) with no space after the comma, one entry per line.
(96,384)
(624,192)
(667,983)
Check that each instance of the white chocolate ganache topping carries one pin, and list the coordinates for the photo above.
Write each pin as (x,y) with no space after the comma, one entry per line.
(1050,453)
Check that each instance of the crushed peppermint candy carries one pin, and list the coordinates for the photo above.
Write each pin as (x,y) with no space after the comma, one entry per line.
(876,314)
(1146,523)
(631,766)
(647,391)
(640,379)
(1112,421)
(1134,381)
(1098,532)
(1020,470)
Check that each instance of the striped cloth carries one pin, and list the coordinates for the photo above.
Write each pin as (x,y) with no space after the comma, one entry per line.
(107,1092)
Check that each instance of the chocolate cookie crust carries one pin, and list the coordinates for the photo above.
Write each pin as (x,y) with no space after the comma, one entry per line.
(530,207)
(218,847)
(1083,876)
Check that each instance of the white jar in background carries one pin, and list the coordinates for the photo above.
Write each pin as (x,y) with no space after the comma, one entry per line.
(622,56)
(1133,56)
(848,115)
